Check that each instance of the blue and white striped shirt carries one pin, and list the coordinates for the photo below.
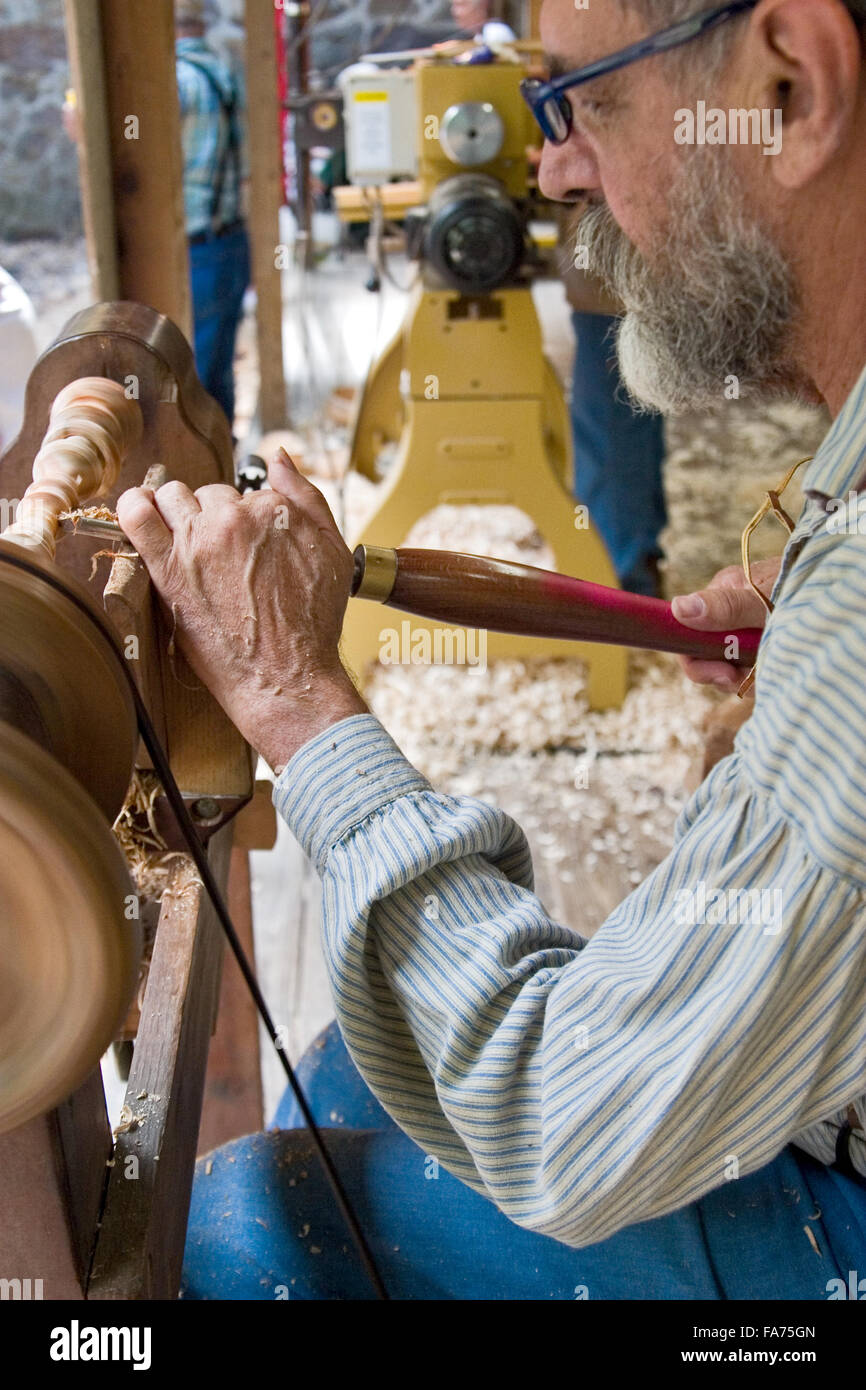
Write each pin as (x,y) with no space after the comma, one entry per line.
(588,1085)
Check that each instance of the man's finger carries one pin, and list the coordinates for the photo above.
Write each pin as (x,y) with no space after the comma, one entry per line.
(733,577)
(143,524)
(176,504)
(215,495)
(722,674)
(285,478)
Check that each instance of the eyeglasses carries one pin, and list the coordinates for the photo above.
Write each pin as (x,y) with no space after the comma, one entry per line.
(552,108)
(774,506)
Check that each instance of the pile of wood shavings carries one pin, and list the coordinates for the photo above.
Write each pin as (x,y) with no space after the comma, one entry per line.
(501,532)
(597,792)
(97,513)
(444,716)
(150,861)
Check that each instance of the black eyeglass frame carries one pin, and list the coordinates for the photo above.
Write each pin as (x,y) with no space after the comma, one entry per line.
(551,107)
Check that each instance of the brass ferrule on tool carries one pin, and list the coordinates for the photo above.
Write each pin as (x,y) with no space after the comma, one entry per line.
(375,572)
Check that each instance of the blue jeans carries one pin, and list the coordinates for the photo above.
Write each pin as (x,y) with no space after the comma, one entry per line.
(263,1224)
(220,272)
(618,457)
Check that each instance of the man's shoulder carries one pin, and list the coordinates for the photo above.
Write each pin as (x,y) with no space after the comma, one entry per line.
(207,62)
(205,77)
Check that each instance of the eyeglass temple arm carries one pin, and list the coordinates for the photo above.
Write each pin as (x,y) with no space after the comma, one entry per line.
(675,37)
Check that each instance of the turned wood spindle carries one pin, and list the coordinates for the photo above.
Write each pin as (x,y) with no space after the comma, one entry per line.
(92,427)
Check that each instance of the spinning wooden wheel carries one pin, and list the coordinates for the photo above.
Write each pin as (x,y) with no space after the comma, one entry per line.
(68,950)
(69,956)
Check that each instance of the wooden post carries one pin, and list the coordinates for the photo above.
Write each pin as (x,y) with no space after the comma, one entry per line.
(87,62)
(143,125)
(299,86)
(233,1084)
(139,1247)
(265,163)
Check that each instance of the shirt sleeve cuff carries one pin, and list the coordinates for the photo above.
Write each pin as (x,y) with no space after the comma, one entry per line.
(338,779)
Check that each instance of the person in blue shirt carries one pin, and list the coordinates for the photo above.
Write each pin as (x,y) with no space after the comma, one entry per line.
(213,178)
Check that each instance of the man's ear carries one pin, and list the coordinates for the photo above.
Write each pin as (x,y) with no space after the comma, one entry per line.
(804,57)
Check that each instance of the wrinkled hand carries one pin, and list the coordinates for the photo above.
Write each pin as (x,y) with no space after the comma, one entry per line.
(725,605)
(256,588)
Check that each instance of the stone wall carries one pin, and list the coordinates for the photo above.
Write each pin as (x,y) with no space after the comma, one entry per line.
(345,28)
(38,165)
(353,27)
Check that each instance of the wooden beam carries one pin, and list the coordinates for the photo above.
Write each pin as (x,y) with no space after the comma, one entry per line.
(139,1251)
(143,112)
(265,162)
(87,64)
(233,1086)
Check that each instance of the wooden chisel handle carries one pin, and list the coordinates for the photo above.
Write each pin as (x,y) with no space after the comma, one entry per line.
(501,596)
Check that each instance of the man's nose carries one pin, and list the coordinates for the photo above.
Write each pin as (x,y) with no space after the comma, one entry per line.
(569,170)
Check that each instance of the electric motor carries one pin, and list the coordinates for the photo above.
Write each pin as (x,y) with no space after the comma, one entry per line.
(474,235)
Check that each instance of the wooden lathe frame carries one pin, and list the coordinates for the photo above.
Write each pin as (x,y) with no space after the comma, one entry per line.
(75,1210)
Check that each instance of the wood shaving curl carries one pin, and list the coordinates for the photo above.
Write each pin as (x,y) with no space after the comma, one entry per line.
(150,860)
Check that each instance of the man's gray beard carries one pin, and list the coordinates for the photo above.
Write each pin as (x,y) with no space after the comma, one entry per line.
(716,299)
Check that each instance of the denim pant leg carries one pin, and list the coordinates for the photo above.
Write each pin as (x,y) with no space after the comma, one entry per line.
(263,1224)
(334,1089)
(220,273)
(618,457)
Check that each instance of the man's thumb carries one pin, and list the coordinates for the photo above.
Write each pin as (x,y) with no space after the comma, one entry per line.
(720,610)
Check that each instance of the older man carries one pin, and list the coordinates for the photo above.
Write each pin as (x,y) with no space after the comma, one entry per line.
(674,1108)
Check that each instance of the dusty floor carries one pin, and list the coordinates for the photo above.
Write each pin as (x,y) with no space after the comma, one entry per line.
(598,792)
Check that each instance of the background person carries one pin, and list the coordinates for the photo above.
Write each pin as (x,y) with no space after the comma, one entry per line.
(219,254)
(619,452)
